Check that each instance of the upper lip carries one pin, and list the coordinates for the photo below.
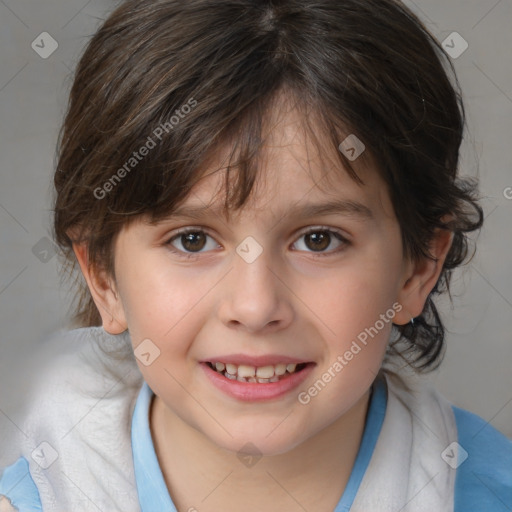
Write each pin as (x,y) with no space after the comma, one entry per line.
(265,360)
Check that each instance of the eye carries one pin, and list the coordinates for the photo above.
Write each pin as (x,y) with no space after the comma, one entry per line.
(320,238)
(316,240)
(192,241)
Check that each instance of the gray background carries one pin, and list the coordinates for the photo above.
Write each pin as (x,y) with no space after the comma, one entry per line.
(476,373)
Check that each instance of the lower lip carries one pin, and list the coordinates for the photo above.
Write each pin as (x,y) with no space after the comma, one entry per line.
(254,392)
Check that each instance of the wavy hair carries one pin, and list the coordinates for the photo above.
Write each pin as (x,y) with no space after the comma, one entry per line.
(344,60)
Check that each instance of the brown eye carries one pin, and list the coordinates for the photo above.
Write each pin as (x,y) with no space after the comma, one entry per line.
(318,241)
(193,241)
(190,242)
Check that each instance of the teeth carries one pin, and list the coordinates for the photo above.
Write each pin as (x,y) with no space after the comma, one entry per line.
(247,373)
(231,368)
(280,369)
(265,372)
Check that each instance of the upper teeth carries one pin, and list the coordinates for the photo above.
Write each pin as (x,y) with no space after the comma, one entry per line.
(261,372)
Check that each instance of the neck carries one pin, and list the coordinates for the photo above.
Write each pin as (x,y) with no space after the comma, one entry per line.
(312,476)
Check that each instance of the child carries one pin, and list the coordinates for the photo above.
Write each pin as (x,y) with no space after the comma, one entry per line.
(246,343)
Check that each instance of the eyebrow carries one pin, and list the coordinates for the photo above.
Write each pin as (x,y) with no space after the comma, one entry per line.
(300,211)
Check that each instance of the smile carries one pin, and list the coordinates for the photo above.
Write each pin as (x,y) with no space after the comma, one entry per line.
(248,382)
(256,374)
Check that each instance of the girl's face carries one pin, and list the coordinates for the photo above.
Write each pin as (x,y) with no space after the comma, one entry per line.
(292,290)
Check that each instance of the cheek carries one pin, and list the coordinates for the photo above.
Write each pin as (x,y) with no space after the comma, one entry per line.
(163,311)
(352,299)
(155,295)
(158,299)
(357,320)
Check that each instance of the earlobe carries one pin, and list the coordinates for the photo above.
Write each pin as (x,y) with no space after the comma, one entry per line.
(103,292)
(421,278)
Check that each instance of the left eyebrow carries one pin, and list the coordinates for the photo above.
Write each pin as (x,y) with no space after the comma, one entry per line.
(336,207)
(301,211)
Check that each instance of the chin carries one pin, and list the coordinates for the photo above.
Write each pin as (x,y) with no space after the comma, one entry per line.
(262,442)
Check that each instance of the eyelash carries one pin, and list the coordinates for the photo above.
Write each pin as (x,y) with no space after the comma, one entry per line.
(318,229)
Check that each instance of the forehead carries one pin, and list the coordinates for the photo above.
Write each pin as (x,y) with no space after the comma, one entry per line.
(296,173)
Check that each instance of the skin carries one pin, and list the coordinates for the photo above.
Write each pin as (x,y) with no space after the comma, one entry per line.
(291,300)
(6,506)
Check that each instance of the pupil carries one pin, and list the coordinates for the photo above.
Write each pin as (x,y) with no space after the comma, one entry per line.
(189,243)
(320,240)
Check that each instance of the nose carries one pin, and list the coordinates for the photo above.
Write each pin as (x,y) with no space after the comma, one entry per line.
(254,297)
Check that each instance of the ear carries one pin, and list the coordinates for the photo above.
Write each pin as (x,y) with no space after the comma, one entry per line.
(103,292)
(421,277)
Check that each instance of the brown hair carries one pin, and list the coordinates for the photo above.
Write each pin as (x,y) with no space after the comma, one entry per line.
(367,67)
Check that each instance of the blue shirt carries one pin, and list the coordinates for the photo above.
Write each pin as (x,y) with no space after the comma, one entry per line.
(483,480)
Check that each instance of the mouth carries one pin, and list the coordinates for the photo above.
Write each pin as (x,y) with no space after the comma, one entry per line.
(252,383)
(256,374)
